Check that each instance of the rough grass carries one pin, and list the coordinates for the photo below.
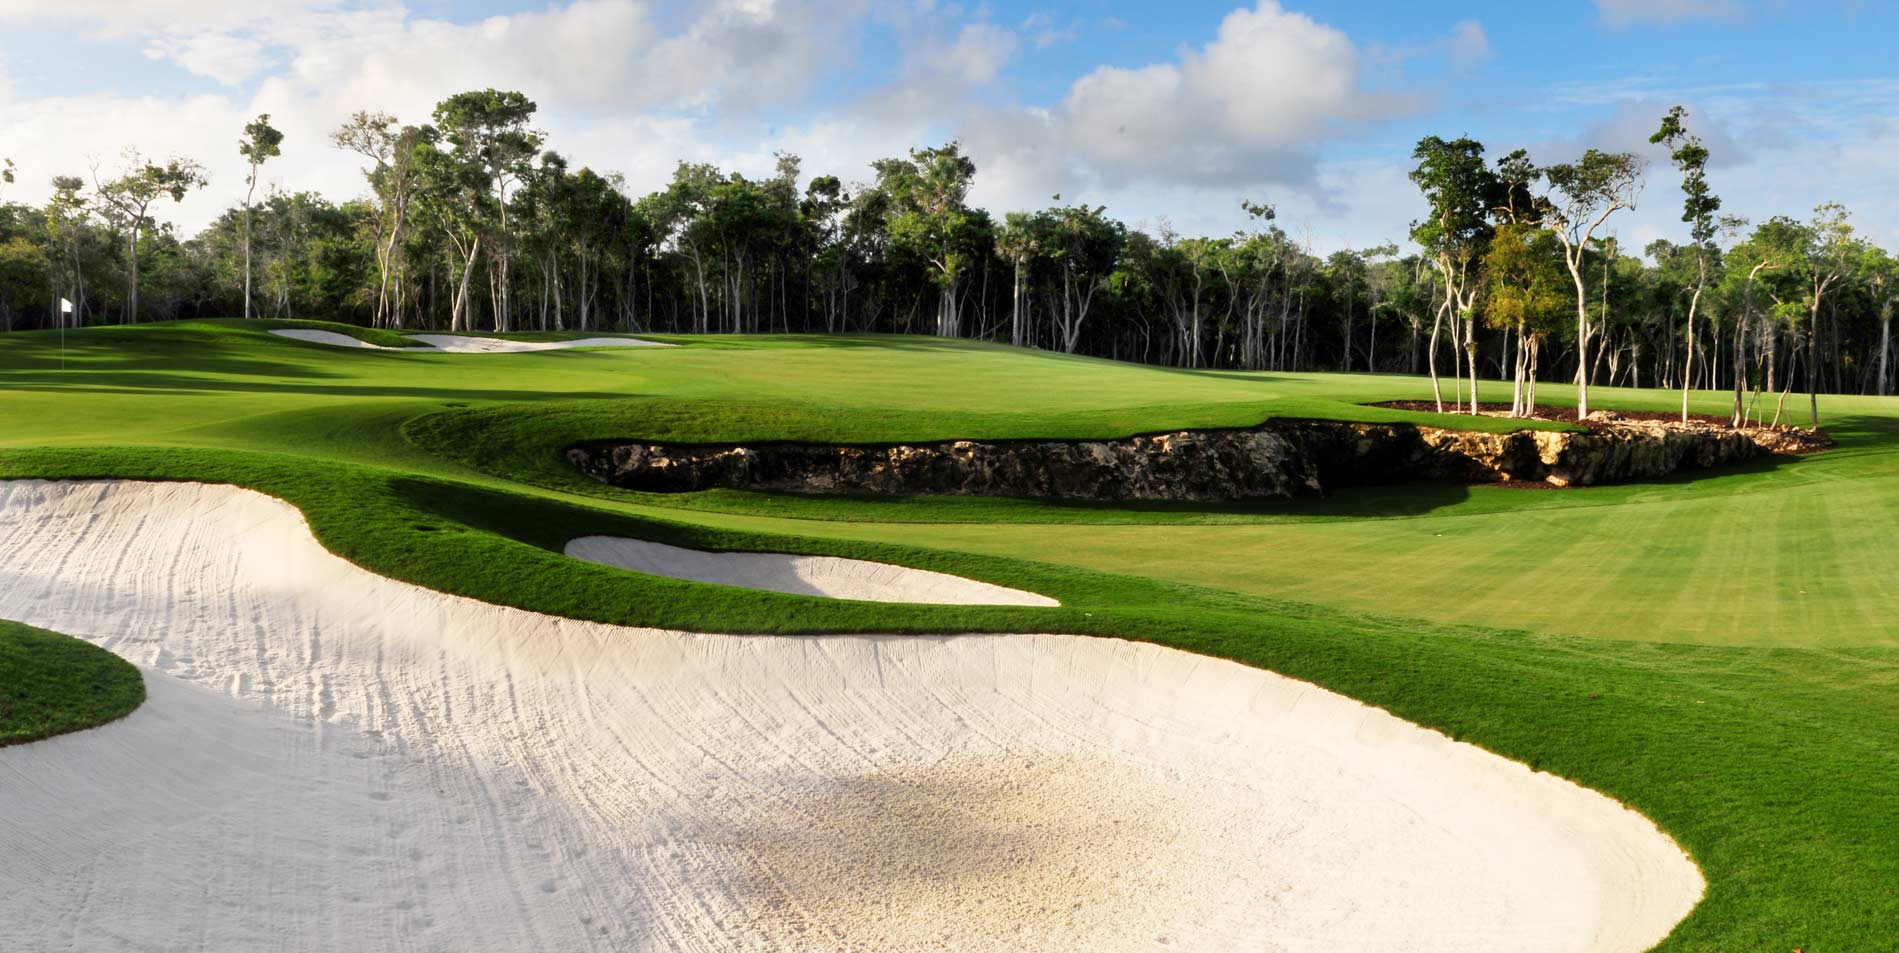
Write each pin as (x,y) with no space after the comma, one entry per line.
(51,684)
(1774,766)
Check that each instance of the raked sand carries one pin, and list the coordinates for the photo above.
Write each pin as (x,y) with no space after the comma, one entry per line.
(457,343)
(331,760)
(831,576)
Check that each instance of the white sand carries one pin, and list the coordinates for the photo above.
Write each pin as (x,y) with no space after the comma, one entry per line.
(831,576)
(458,343)
(469,344)
(330,760)
(332,338)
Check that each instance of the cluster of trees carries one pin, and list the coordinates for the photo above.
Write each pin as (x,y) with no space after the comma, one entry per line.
(470,222)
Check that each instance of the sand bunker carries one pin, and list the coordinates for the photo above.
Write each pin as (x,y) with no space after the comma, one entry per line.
(831,576)
(332,338)
(333,760)
(458,343)
(468,344)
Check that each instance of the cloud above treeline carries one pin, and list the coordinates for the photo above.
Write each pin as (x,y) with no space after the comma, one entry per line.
(1257,108)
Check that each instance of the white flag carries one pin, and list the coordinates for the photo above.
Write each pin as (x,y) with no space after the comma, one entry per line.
(65,307)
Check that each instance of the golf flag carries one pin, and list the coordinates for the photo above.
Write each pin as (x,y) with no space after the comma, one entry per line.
(65,307)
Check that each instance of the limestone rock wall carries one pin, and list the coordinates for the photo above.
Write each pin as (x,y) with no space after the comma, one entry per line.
(1279,460)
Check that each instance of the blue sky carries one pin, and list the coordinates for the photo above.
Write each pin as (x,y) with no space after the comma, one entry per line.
(1169,114)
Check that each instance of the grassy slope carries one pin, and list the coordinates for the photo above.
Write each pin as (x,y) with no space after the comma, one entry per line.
(51,684)
(1772,765)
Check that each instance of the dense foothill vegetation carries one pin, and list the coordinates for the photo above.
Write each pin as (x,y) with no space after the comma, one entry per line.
(471,222)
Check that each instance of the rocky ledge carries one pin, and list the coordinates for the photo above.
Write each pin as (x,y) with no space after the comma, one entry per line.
(1278,460)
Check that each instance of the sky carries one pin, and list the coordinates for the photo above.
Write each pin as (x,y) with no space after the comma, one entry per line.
(1168,114)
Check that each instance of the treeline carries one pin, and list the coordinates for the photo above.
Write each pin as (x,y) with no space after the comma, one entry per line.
(470,222)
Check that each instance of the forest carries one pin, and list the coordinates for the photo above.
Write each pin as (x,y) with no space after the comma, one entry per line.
(472,222)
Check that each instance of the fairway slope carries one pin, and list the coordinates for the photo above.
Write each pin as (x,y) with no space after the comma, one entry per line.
(829,576)
(330,759)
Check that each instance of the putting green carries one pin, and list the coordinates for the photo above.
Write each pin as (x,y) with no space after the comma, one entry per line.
(1716,652)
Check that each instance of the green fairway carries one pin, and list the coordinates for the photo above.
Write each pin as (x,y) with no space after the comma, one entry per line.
(51,684)
(1719,652)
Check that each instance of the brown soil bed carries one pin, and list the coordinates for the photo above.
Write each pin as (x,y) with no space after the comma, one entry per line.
(1785,440)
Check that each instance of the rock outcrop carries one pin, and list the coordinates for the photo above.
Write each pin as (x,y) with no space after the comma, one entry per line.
(1278,460)
(1187,465)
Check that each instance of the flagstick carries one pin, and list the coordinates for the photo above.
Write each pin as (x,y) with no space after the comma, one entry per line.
(65,309)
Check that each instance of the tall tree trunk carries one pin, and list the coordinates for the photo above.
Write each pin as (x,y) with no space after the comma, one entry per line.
(1470,352)
(1430,356)
(131,283)
(247,251)
(1694,302)
(1885,348)
(1575,261)
(459,318)
(1813,354)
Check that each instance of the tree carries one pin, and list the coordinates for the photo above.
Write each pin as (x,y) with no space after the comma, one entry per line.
(1378,282)
(1523,270)
(455,199)
(261,143)
(1881,273)
(682,214)
(24,272)
(66,216)
(1779,250)
(929,217)
(131,196)
(1018,242)
(1829,253)
(1084,245)
(1582,195)
(1461,190)
(1346,270)
(823,214)
(1745,262)
(1698,210)
(394,177)
(487,130)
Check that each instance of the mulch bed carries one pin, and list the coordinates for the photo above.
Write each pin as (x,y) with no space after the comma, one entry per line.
(1792,440)
(1523,485)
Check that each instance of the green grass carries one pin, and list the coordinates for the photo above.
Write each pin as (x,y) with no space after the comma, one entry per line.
(1716,652)
(51,684)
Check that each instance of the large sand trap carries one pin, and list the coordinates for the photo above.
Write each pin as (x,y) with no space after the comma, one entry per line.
(458,343)
(330,760)
(831,576)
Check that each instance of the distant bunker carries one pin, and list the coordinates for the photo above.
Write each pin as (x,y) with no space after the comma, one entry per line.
(1280,459)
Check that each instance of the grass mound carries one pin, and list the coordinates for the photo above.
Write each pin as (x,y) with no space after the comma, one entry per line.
(51,684)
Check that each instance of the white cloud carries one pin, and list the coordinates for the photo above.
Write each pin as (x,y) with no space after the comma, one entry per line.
(229,59)
(1046,31)
(1249,105)
(979,53)
(121,16)
(1627,12)
(1468,44)
(616,90)
(627,86)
